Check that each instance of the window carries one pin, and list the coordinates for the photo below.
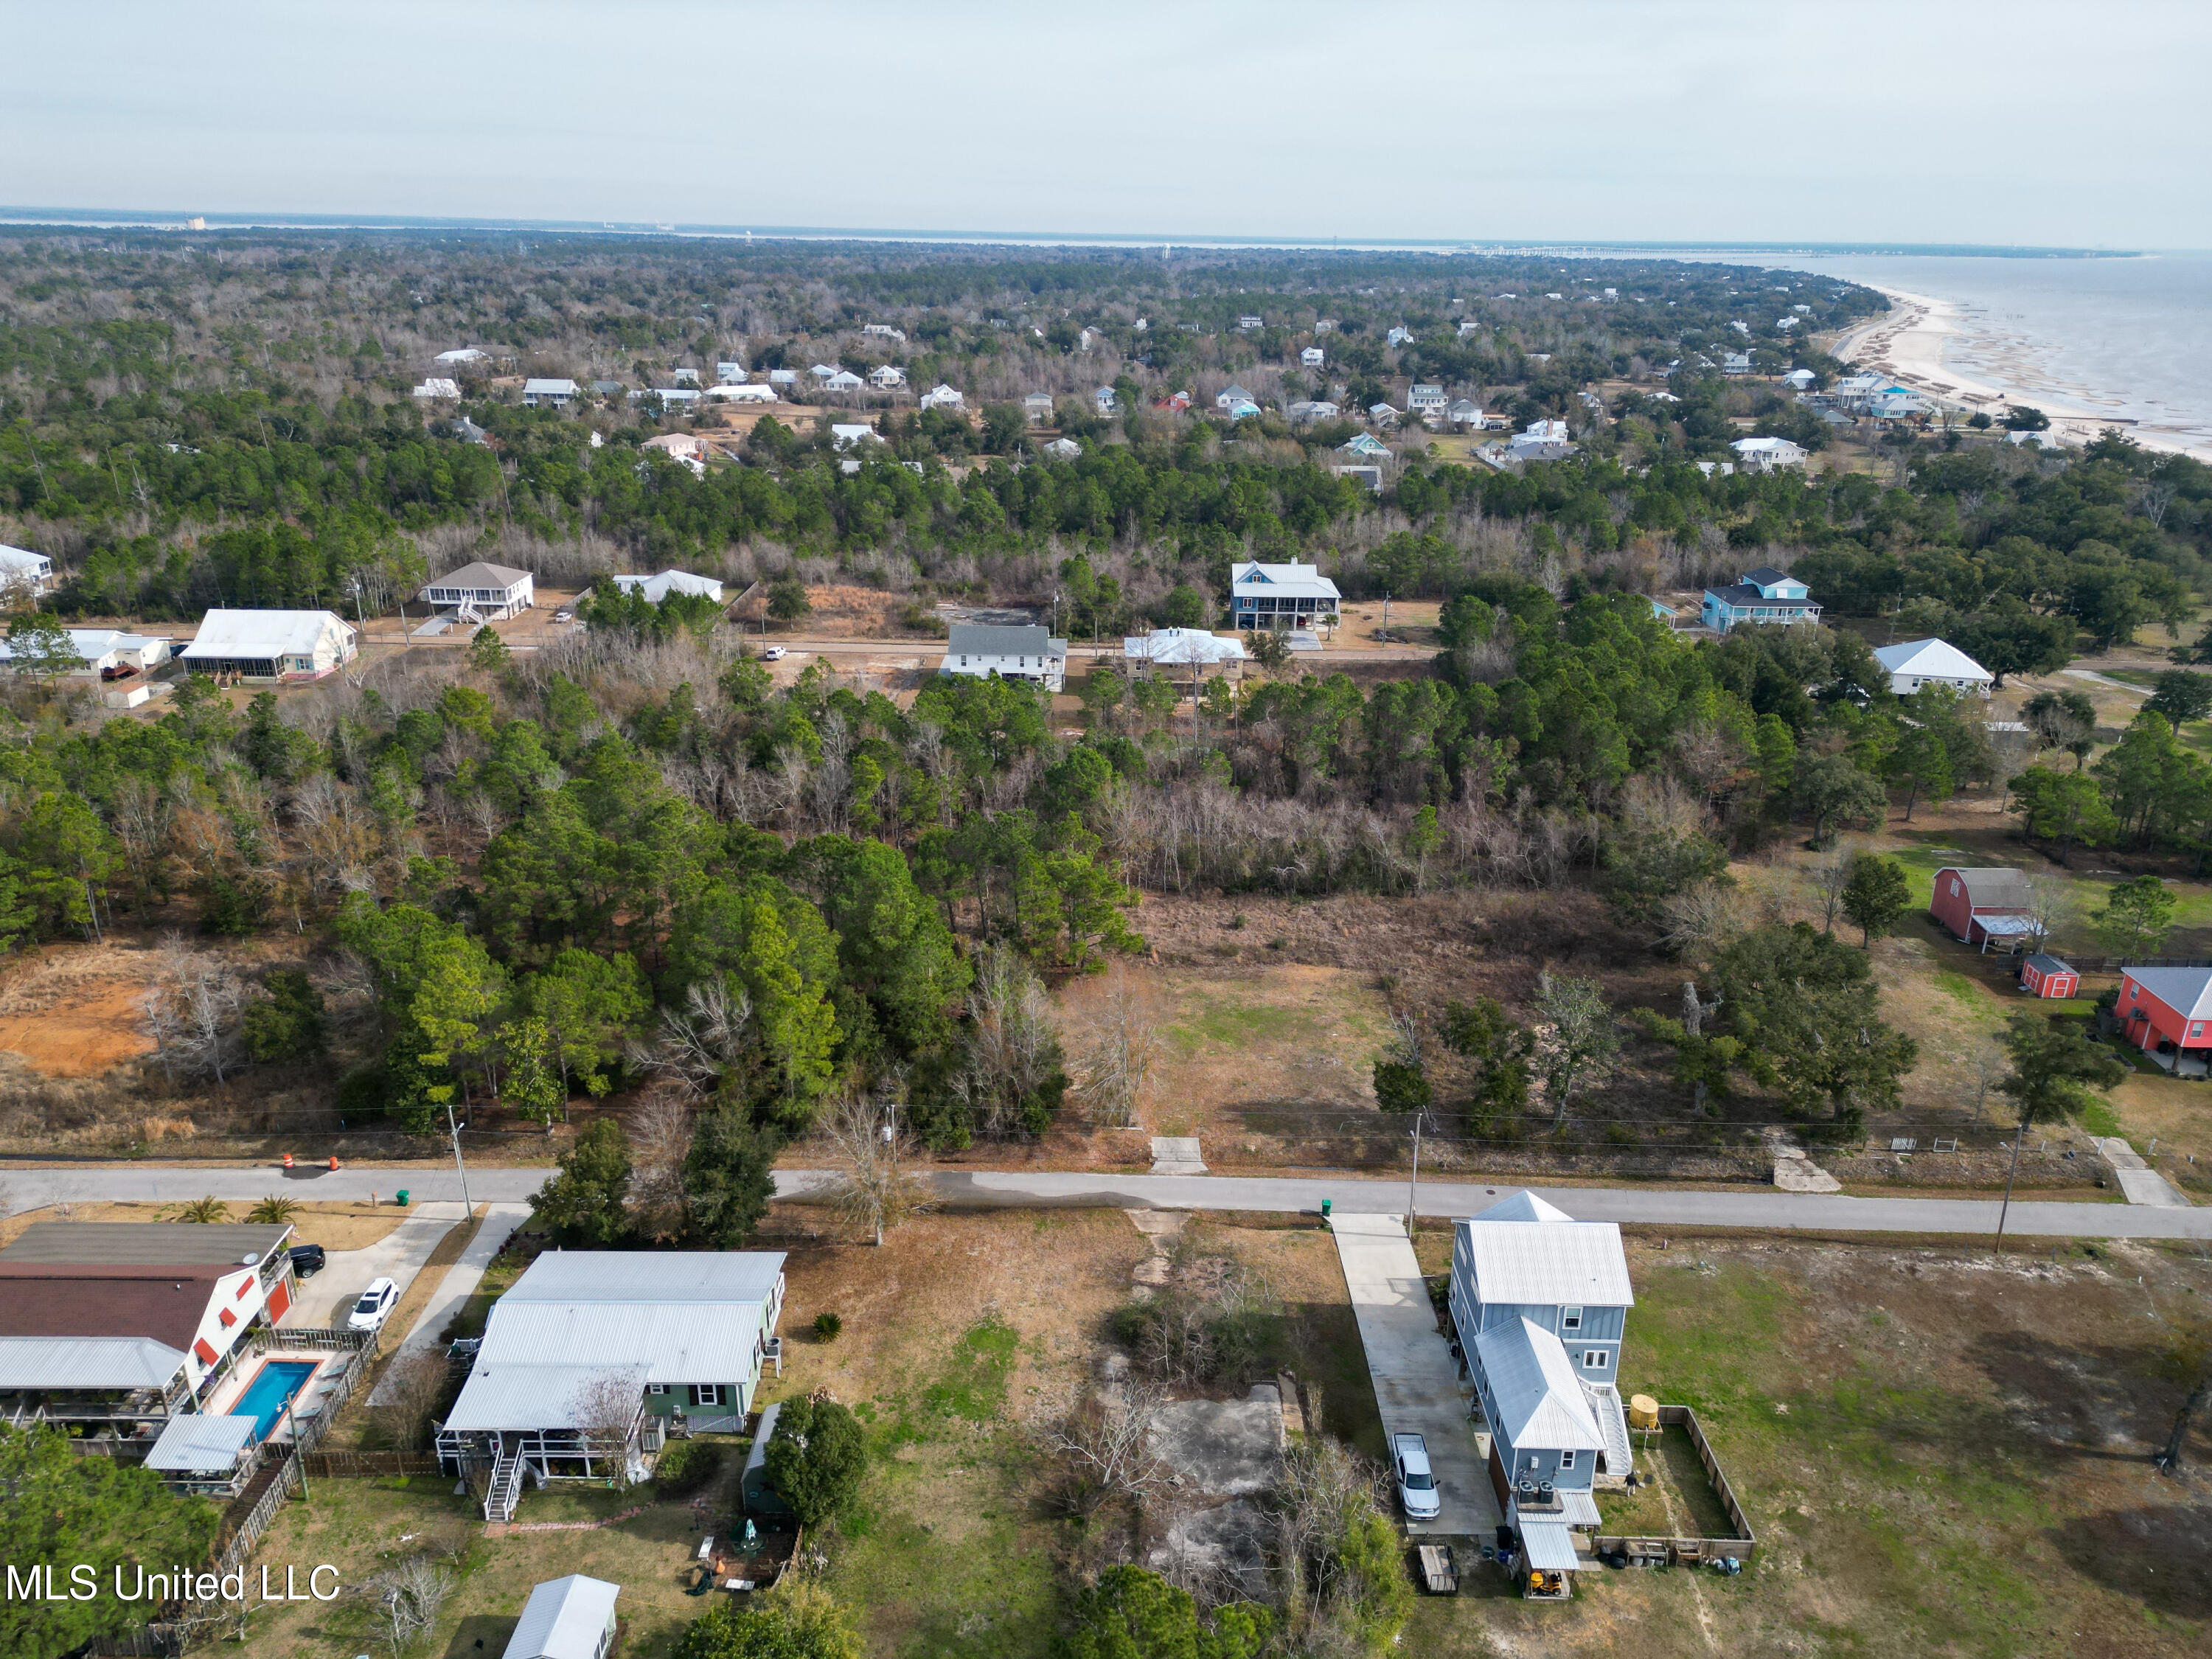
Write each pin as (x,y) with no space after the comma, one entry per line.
(707,1394)
(2196,1028)
(1570,1319)
(656,1388)
(1593,1359)
(1567,1459)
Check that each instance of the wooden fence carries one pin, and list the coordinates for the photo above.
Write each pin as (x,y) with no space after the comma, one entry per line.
(1743,1546)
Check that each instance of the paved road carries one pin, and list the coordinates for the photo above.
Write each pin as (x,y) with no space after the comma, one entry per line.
(1765,1209)
(1417,1386)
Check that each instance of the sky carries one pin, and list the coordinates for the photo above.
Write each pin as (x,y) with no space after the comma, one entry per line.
(1936,121)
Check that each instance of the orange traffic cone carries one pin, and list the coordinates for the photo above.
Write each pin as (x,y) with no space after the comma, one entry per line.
(287,1160)
(334,1160)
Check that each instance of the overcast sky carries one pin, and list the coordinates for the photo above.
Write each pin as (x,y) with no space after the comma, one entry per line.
(1933,121)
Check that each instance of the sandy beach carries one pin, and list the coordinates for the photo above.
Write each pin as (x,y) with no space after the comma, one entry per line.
(1909,343)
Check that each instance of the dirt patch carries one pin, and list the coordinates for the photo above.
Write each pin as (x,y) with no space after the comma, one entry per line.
(75,1011)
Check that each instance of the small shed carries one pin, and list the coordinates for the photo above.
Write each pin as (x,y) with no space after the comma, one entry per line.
(759,1497)
(2043,976)
(571,1617)
(199,1452)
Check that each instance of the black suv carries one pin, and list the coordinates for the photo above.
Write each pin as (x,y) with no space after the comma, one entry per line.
(306,1260)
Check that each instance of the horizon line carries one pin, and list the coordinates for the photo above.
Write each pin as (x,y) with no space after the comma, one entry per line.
(147,219)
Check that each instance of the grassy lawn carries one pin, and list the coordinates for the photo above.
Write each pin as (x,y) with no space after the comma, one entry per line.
(1937,1458)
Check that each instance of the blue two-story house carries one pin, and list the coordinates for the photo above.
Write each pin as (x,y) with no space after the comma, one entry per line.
(1523,1261)
(1545,1441)
(1766,596)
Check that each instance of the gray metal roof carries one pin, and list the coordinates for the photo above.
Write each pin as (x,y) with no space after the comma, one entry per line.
(1540,1399)
(1549,1263)
(146,1243)
(564,1619)
(2187,991)
(642,1276)
(511,1394)
(1523,1205)
(710,1340)
(201,1444)
(92,1363)
(1994,885)
(1549,1544)
(989,640)
(480,574)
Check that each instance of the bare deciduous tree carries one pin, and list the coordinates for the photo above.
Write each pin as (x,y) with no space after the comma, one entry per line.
(1117,1046)
(1106,1445)
(409,1393)
(1011,1046)
(872,1188)
(604,1410)
(659,1138)
(192,1012)
(699,1042)
(1577,1043)
(407,1598)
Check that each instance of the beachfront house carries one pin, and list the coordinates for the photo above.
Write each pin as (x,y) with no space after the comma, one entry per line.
(1932,662)
(1027,653)
(594,1355)
(1279,596)
(1765,596)
(1766,454)
(548,393)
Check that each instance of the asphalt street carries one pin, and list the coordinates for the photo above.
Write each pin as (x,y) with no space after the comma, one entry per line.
(1760,1208)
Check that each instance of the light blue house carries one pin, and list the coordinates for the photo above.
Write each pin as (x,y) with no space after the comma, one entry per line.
(1765,595)
(1281,595)
(1541,1303)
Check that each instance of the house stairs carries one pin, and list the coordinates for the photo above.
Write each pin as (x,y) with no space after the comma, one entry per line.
(1612,1427)
(506,1488)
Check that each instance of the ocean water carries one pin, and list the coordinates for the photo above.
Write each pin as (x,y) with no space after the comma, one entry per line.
(2128,337)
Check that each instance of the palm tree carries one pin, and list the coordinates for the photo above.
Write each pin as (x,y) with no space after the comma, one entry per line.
(275,1212)
(209,1208)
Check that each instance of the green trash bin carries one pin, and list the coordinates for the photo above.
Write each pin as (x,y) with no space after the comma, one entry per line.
(402,1198)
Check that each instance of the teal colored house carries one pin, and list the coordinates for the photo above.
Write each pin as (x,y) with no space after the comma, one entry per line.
(1766,596)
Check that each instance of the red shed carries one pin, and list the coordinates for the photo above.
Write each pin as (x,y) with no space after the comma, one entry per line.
(1980,905)
(2047,976)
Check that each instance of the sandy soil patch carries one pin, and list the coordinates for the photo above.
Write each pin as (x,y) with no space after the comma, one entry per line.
(74,1011)
(333,1227)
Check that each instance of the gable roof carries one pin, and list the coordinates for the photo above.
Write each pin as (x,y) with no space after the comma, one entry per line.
(1548,1263)
(564,1619)
(480,574)
(1767,574)
(1540,1399)
(226,1244)
(989,640)
(1293,580)
(541,387)
(165,1304)
(264,633)
(649,1276)
(198,1444)
(1997,886)
(125,1364)
(2187,991)
(1931,659)
(1746,593)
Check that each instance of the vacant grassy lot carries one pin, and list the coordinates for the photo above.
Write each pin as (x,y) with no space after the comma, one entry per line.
(1939,1456)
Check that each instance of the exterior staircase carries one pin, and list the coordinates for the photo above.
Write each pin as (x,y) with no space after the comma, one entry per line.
(1612,1426)
(506,1488)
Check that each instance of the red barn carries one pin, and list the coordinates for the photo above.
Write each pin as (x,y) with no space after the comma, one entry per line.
(1981,905)
(2167,1010)
(2047,976)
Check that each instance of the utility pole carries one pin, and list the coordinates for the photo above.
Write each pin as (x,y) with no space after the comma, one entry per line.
(1413,1191)
(299,1452)
(467,1208)
(2019,1135)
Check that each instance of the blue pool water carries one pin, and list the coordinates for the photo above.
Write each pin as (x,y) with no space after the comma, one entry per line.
(264,1400)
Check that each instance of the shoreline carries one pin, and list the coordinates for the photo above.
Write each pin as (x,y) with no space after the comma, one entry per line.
(1907,344)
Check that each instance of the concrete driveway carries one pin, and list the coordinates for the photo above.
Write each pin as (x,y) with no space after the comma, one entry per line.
(399,1255)
(459,1284)
(1417,1381)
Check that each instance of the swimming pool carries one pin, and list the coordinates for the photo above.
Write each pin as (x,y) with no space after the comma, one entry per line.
(274,1384)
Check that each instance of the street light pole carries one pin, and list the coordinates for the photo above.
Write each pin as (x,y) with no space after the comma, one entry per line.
(1414,1190)
(467,1208)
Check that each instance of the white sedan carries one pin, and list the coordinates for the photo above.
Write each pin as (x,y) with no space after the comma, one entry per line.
(374,1306)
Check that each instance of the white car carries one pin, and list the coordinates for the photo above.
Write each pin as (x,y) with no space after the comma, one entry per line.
(1417,1485)
(374,1306)
(773,653)
(565,615)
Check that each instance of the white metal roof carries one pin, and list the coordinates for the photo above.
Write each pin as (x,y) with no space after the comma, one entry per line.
(649,1276)
(1550,1546)
(265,633)
(1181,645)
(201,1444)
(704,1341)
(1292,580)
(87,1362)
(2187,991)
(1548,1263)
(22,558)
(540,388)
(506,1394)
(657,588)
(1523,1205)
(1540,1399)
(1931,659)
(564,1619)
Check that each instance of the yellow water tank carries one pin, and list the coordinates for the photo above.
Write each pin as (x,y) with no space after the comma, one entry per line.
(1643,1412)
